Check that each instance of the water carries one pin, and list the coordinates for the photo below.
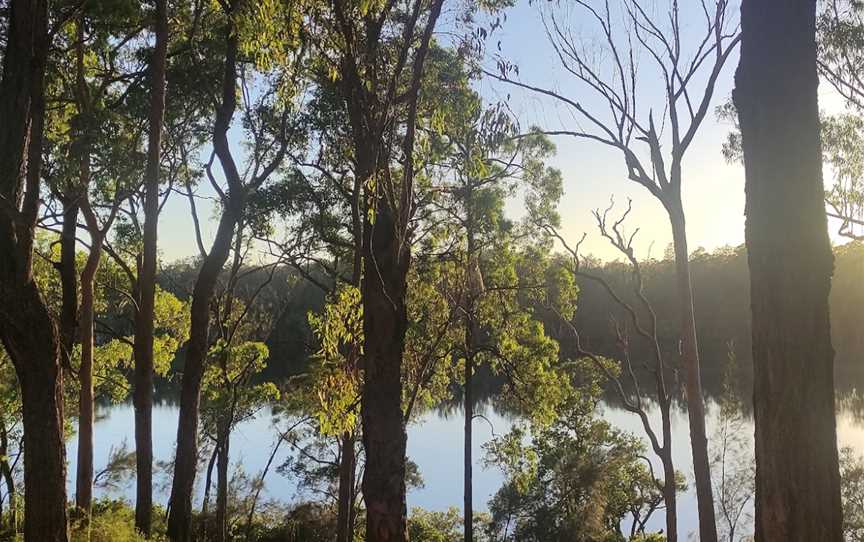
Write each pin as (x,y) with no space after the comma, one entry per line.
(434,444)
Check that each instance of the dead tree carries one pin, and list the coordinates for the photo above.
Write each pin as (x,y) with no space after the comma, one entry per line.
(611,77)
(643,320)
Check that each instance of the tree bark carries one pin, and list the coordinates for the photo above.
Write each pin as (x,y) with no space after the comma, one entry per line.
(84,474)
(27,330)
(386,260)
(347,464)
(385,321)
(690,356)
(468,512)
(186,462)
(790,259)
(146,283)
(68,278)
(222,463)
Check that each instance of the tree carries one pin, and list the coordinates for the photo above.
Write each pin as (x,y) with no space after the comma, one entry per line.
(267,121)
(476,248)
(578,479)
(732,461)
(231,391)
(688,88)
(789,254)
(146,283)
(640,317)
(10,440)
(372,72)
(27,330)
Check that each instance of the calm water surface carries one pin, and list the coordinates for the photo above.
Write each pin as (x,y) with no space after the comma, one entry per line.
(434,444)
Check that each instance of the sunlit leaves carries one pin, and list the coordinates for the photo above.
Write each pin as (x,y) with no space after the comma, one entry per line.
(334,373)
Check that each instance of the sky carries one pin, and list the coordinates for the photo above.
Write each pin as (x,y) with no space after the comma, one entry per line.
(713,190)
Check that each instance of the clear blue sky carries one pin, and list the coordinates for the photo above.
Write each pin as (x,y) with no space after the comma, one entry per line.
(713,189)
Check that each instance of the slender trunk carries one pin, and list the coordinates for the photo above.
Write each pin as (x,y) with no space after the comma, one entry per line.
(259,487)
(690,357)
(670,489)
(208,483)
(468,505)
(84,474)
(6,472)
(790,260)
(347,463)
(348,459)
(186,462)
(472,292)
(222,463)
(146,287)
(384,324)
(27,329)
(68,277)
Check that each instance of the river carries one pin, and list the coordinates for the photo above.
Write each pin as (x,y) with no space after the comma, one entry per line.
(434,444)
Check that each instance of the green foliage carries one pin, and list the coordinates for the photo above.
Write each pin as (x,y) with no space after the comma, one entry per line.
(852,494)
(334,375)
(112,521)
(113,359)
(228,392)
(575,479)
(446,526)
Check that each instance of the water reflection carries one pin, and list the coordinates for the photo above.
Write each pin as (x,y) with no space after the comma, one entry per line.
(435,441)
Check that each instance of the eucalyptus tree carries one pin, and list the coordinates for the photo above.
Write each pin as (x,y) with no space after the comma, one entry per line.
(235,32)
(146,280)
(791,264)
(89,142)
(576,479)
(231,388)
(687,72)
(27,330)
(483,163)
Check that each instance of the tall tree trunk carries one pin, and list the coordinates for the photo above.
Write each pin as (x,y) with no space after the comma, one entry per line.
(146,284)
(384,324)
(44,447)
(790,259)
(670,499)
(84,474)
(27,330)
(186,462)
(690,356)
(468,512)
(208,483)
(348,458)
(386,260)
(222,465)
(68,277)
(347,464)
